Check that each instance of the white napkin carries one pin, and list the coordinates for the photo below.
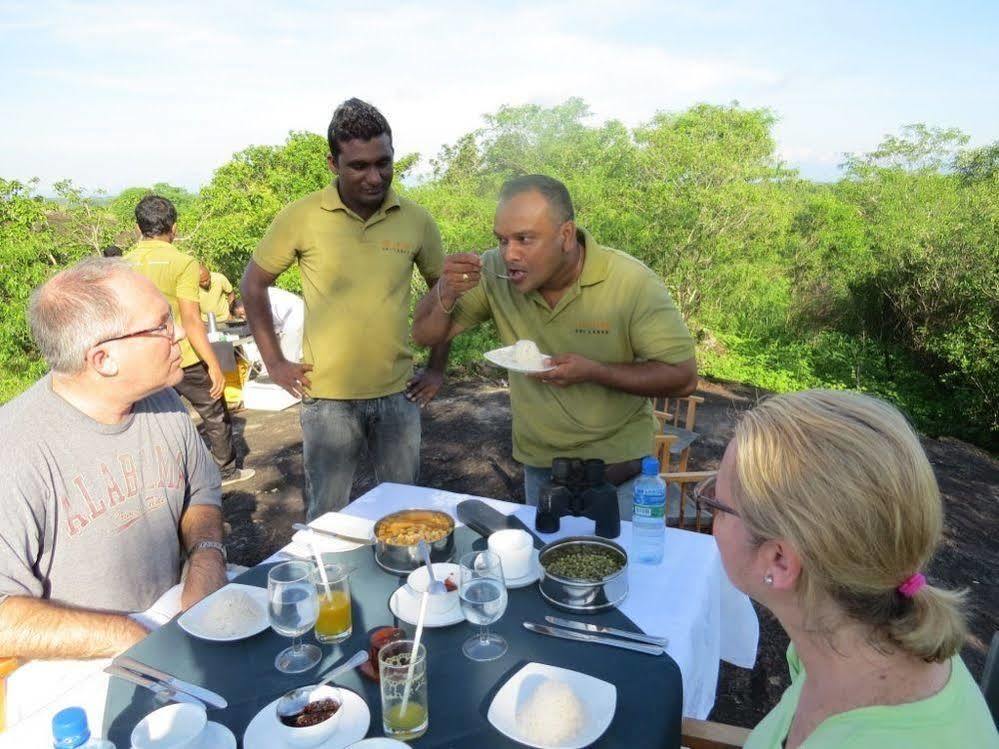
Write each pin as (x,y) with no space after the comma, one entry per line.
(331,521)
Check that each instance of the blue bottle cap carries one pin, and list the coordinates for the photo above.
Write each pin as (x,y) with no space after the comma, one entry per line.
(69,728)
(650,466)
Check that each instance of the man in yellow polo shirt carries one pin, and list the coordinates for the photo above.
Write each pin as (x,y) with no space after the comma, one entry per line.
(175,274)
(215,294)
(356,243)
(614,334)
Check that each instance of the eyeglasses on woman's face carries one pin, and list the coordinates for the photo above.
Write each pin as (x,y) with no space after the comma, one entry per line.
(704,493)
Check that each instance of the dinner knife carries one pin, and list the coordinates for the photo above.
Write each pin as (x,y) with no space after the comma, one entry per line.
(567,634)
(213,699)
(602,630)
(160,690)
(333,534)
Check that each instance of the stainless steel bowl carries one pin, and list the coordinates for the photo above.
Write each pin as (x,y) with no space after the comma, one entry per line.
(402,559)
(584,595)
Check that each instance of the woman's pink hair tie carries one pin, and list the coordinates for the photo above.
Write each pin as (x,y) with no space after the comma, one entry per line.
(913,585)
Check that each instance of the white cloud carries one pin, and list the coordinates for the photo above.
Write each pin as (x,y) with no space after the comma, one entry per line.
(133,93)
(119,93)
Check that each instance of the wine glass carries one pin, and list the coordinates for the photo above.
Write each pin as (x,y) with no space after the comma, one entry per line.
(293,607)
(482,591)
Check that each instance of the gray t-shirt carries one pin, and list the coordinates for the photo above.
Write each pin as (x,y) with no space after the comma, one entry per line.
(89,512)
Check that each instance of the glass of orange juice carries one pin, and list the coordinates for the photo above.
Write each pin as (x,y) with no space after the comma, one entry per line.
(334,622)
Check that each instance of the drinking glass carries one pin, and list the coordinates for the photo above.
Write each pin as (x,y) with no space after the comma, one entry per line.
(334,622)
(482,591)
(393,669)
(293,608)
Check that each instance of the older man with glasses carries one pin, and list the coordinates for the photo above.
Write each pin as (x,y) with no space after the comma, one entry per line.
(107,486)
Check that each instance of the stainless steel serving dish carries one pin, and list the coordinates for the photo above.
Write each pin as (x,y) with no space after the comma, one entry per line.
(584,595)
(402,559)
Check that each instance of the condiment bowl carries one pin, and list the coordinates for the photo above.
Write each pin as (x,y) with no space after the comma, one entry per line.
(419,581)
(171,727)
(308,736)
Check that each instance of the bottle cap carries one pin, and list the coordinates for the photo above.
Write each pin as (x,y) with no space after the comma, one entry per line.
(69,728)
(650,466)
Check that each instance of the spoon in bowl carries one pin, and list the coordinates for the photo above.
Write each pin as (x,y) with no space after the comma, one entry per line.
(294,701)
(436,587)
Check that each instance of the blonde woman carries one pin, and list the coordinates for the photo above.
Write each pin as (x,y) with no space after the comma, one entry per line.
(827,513)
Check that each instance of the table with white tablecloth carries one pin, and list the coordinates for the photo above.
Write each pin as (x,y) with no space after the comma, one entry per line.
(686,598)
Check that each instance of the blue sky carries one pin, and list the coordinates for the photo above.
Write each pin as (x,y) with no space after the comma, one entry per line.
(113,94)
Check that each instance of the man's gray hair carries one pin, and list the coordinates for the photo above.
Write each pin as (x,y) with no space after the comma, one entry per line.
(74,310)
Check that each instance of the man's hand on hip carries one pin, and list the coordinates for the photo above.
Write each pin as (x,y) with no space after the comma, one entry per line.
(292,376)
(570,369)
(424,385)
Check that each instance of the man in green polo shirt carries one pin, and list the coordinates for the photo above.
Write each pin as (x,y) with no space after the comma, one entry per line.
(356,243)
(215,294)
(175,274)
(612,331)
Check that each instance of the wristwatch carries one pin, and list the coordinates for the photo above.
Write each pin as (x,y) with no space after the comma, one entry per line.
(220,548)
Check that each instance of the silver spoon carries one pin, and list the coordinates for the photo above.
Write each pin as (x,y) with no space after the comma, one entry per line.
(293,702)
(498,275)
(436,587)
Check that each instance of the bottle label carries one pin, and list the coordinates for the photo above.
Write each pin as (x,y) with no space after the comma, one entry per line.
(655,512)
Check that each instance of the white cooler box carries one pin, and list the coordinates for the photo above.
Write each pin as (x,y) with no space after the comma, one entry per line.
(263,395)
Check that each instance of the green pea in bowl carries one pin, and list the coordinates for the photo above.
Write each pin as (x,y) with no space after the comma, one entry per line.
(583,573)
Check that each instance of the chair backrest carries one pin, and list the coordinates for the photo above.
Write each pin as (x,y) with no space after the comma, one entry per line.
(990,679)
(677,416)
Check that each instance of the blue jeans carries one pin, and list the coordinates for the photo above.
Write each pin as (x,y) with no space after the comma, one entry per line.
(536,479)
(334,432)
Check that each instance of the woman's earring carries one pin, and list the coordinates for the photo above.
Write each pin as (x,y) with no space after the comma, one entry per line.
(769,579)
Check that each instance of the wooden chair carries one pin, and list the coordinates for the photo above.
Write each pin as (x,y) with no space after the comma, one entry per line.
(678,417)
(704,734)
(7,667)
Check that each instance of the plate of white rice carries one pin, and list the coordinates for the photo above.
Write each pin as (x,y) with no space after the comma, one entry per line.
(523,356)
(234,612)
(547,707)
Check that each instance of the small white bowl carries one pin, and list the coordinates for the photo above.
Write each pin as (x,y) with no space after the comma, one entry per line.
(172,727)
(419,581)
(514,548)
(309,736)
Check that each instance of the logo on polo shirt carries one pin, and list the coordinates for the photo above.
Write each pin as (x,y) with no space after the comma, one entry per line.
(400,248)
(593,328)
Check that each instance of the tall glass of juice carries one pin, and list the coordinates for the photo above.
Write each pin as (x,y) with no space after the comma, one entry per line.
(334,622)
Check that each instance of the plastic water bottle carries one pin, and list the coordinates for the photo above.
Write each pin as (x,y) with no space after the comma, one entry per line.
(648,519)
(70,731)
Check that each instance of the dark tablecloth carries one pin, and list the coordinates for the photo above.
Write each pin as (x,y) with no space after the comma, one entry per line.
(649,688)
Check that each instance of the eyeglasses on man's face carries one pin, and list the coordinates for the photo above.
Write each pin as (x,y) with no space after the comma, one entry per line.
(163,330)
(704,493)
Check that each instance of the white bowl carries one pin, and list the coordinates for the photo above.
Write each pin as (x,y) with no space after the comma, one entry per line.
(309,736)
(514,548)
(172,727)
(419,581)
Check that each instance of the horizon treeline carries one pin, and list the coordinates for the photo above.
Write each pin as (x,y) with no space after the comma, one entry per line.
(885,281)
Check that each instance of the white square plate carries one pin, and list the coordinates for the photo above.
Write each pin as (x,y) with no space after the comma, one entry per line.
(192,620)
(599,700)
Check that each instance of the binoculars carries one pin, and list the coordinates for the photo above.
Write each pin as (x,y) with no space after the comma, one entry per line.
(579,488)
